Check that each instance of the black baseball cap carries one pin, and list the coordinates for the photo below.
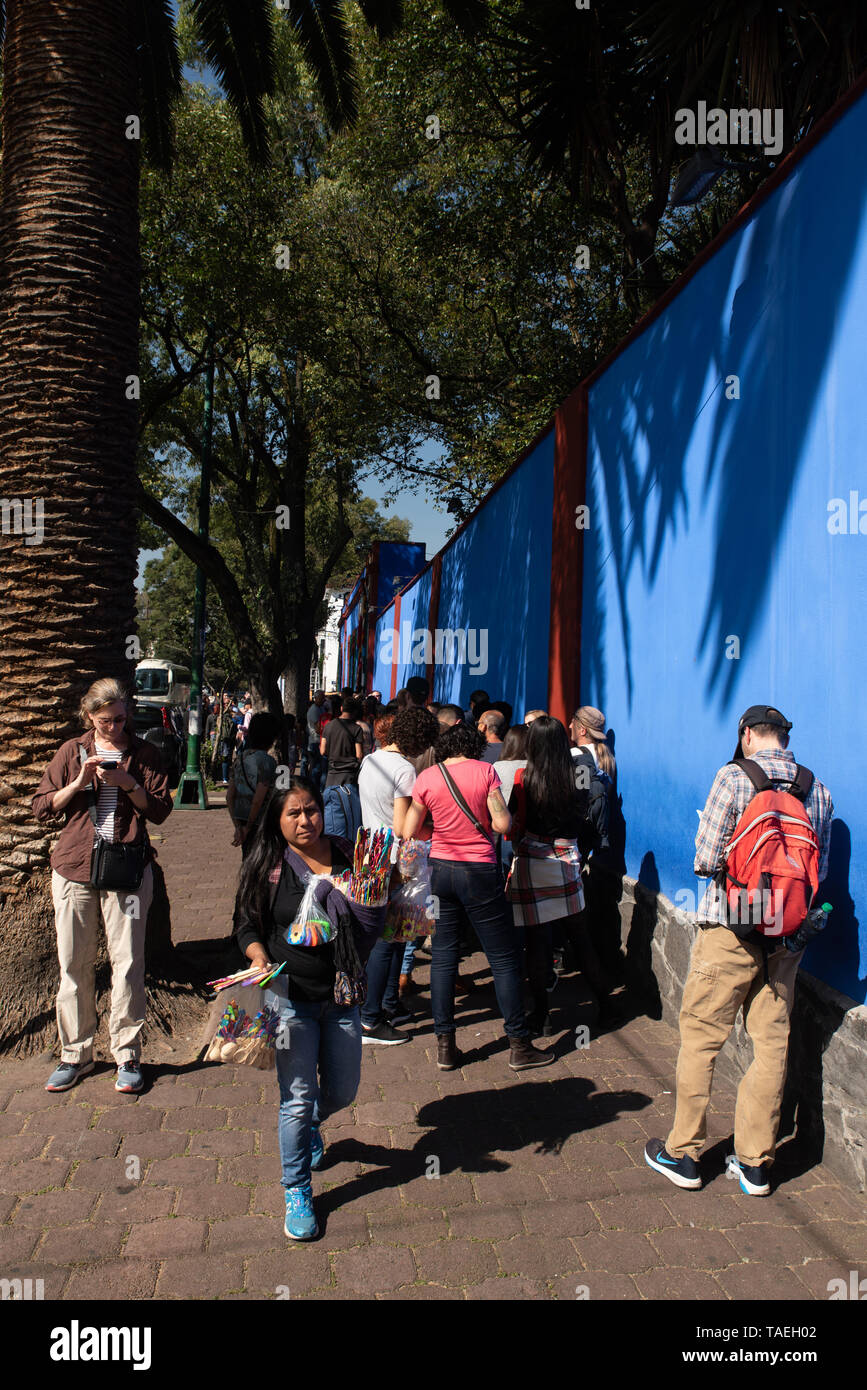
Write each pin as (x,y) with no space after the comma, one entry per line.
(763,714)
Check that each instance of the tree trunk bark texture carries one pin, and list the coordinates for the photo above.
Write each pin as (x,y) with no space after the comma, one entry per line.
(69,301)
(69,276)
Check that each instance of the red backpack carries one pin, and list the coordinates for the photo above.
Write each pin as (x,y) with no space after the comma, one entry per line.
(771,873)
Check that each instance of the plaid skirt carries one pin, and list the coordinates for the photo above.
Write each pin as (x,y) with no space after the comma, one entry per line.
(544,882)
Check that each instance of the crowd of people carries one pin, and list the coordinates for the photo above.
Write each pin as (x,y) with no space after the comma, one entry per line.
(524,837)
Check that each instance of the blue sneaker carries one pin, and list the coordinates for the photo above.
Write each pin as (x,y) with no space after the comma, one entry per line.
(683,1172)
(753,1181)
(317,1148)
(129,1077)
(300,1220)
(66,1074)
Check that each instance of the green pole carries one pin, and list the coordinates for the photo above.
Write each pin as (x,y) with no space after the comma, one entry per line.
(191,792)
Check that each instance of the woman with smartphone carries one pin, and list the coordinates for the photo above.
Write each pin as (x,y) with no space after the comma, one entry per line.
(106,783)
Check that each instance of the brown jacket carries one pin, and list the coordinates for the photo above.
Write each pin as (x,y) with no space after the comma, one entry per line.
(72,853)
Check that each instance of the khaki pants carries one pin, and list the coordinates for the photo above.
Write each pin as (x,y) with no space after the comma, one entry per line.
(77,911)
(726,974)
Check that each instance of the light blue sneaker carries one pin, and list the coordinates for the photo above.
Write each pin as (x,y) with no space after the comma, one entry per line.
(129,1077)
(300,1219)
(66,1074)
(317,1148)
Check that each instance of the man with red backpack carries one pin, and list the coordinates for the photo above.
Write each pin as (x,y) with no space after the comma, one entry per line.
(763,840)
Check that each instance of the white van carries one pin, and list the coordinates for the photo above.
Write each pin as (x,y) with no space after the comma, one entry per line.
(160,682)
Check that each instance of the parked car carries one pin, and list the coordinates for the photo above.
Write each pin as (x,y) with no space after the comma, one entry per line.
(163,727)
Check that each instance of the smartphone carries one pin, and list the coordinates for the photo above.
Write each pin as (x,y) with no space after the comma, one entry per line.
(108,762)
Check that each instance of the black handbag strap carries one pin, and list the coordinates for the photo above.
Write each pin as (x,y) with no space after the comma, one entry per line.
(459,800)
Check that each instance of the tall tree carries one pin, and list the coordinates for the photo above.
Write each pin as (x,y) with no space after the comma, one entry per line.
(76,82)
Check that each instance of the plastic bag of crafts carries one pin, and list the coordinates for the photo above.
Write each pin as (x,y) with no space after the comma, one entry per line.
(311,926)
(409,915)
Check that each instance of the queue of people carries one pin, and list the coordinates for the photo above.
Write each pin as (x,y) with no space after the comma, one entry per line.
(486,796)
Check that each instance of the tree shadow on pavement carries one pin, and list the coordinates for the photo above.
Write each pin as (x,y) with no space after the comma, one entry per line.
(475,1132)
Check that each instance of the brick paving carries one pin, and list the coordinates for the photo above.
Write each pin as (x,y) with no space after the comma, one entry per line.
(475,1184)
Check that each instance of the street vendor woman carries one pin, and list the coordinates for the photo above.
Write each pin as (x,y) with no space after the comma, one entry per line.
(322,952)
(107,783)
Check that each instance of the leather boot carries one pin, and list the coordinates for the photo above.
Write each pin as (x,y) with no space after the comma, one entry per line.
(448,1056)
(524,1055)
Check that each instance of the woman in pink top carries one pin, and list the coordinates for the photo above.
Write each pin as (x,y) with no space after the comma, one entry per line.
(465,877)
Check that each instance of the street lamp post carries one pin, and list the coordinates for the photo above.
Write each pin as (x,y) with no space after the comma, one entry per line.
(192,793)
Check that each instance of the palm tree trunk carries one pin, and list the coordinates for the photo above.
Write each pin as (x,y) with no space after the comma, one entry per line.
(69,292)
(69,275)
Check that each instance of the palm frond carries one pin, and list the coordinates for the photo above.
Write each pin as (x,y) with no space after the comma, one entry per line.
(159,73)
(322,30)
(238,39)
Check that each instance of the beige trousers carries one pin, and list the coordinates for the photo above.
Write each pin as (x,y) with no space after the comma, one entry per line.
(77,912)
(725,975)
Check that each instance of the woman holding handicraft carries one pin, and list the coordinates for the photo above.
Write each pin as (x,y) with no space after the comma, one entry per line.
(288,910)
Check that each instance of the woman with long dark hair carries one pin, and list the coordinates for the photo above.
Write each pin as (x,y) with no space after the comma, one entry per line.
(319,1045)
(463,797)
(545,884)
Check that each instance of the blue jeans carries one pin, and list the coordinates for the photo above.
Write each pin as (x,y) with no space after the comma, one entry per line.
(408,958)
(383,982)
(478,890)
(323,1038)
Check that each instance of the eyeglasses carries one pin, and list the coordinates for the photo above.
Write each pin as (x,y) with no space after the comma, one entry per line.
(110,723)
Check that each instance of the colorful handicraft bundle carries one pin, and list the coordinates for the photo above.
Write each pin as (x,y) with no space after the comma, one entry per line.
(409,913)
(257,1047)
(230,1028)
(256,975)
(238,1039)
(371,867)
(312,926)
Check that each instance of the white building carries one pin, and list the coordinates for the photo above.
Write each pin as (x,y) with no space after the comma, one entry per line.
(323,671)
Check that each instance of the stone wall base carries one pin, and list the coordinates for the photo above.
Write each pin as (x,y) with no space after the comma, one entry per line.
(825,1104)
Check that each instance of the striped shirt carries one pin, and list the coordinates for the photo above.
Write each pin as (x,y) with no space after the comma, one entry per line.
(106,804)
(731,793)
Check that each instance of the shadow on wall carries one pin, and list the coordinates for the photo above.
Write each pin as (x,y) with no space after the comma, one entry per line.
(639,957)
(777,339)
(839,943)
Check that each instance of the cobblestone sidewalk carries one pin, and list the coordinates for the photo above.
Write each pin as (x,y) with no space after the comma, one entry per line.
(480,1183)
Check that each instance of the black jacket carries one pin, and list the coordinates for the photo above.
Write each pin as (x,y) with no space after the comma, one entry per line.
(602,815)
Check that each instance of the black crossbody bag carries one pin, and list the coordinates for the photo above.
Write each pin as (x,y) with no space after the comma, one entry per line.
(113,865)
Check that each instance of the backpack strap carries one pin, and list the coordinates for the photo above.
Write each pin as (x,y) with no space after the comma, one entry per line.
(801,785)
(757,775)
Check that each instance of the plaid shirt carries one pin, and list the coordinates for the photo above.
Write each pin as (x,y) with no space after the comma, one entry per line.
(729,797)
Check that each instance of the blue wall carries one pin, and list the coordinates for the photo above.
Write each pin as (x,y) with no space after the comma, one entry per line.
(709,521)
(414,606)
(496,579)
(399,562)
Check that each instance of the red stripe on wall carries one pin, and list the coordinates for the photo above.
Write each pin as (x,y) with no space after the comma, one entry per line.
(567,556)
(372,580)
(395,655)
(432,615)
